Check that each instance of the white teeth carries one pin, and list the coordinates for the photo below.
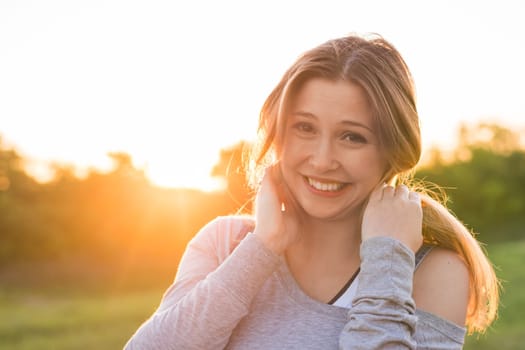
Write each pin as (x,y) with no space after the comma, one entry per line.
(323,186)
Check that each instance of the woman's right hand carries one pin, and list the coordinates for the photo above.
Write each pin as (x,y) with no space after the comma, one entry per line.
(277,225)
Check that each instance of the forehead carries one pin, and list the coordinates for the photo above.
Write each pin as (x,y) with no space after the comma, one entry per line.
(338,101)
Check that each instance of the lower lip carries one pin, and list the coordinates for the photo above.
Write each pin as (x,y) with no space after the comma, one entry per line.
(329,194)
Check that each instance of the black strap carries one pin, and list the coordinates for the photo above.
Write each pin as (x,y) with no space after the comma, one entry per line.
(345,287)
(422,253)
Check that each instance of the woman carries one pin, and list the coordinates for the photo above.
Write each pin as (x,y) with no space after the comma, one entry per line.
(342,252)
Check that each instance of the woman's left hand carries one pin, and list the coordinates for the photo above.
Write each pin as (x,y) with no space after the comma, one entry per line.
(394,212)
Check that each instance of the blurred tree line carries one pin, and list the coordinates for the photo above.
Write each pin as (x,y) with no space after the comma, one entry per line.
(484,180)
(120,221)
(104,222)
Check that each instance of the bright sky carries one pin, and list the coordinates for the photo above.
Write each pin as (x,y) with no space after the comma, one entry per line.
(172,82)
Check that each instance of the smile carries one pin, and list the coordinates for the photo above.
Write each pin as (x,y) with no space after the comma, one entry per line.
(326,186)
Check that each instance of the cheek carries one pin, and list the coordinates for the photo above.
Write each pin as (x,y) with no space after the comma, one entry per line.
(370,165)
(292,151)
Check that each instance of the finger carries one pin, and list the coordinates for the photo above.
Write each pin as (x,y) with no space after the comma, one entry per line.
(388,191)
(414,196)
(402,191)
(267,187)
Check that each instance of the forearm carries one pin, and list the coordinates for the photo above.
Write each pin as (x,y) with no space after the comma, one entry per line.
(205,316)
(383,311)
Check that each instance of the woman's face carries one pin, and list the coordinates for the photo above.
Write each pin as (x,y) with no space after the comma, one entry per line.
(330,156)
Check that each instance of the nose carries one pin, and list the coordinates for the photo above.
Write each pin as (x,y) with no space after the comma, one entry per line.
(323,157)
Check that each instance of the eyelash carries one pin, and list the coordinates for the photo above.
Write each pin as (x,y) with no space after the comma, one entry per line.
(351,137)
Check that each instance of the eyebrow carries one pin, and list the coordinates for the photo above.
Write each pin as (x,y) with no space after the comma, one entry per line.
(344,122)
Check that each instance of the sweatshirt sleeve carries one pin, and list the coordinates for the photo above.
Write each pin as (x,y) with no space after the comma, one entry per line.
(209,296)
(383,313)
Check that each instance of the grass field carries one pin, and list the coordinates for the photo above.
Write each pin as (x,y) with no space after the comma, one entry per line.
(57,321)
(70,318)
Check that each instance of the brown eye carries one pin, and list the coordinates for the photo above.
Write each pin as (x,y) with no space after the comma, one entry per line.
(304,127)
(354,137)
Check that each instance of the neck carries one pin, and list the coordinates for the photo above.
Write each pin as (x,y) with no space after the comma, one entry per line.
(327,242)
(325,256)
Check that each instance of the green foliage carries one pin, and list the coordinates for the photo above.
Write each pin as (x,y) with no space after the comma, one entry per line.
(485,183)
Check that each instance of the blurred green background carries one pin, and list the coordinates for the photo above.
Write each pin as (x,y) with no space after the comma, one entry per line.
(84,261)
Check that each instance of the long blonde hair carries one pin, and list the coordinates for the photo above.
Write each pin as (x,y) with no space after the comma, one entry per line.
(375,65)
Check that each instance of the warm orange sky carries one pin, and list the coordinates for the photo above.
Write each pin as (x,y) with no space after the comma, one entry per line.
(173,82)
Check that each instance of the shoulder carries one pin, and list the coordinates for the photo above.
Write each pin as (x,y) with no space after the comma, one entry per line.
(441,285)
(222,234)
(234,226)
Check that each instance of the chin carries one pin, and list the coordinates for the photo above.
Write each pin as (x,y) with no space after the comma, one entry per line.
(325,213)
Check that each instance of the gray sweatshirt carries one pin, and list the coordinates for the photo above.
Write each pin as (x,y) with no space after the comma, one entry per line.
(231,292)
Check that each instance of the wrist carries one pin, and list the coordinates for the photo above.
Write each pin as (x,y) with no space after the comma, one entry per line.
(270,241)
